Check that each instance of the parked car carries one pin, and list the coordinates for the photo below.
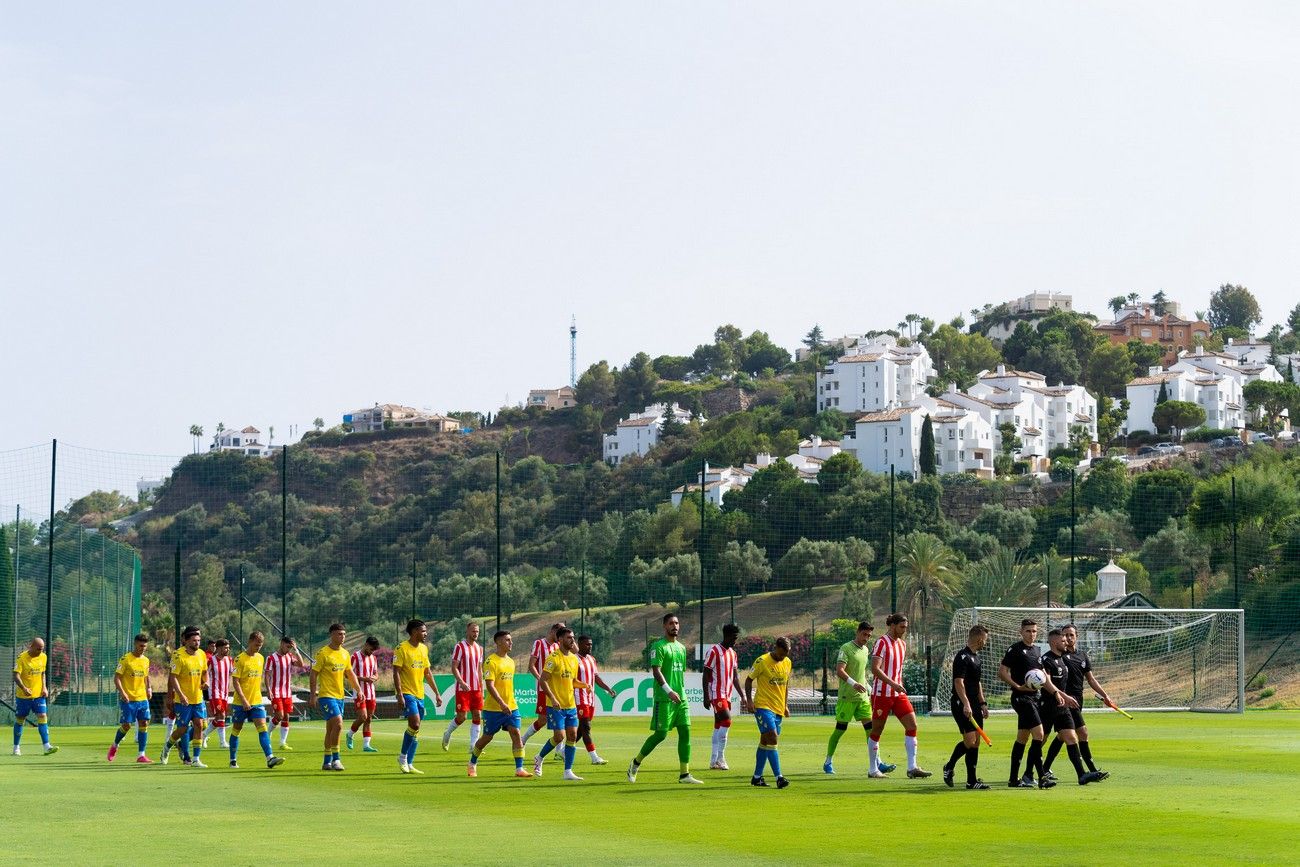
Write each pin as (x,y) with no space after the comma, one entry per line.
(1147,452)
(1169,449)
(1261,438)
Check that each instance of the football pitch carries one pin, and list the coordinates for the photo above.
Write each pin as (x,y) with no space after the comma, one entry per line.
(1182,786)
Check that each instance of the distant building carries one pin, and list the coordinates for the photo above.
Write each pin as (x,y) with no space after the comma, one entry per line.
(1170,332)
(1027,308)
(891,439)
(386,416)
(551,398)
(874,374)
(813,452)
(144,487)
(1215,381)
(638,434)
(246,441)
(1249,351)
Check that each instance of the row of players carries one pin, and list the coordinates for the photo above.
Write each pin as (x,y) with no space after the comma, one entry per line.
(567,675)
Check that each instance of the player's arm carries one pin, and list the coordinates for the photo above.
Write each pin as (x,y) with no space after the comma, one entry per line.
(735,683)
(959,687)
(351,677)
(173,685)
(984,705)
(1096,687)
(534,667)
(551,700)
(842,672)
(1004,675)
(18,682)
(600,682)
(461,683)
(749,692)
(1061,698)
(879,674)
(428,678)
(311,697)
(708,678)
(117,682)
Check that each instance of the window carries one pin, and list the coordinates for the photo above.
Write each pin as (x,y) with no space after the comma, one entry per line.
(1146,332)
(900,453)
(952,434)
(962,453)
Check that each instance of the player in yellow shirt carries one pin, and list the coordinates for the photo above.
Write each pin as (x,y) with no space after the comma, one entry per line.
(771,672)
(559,677)
(500,711)
(332,667)
(246,690)
(32,692)
(187,680)
(133,692)
(410,674)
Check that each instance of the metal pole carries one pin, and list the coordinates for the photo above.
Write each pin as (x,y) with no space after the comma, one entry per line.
(412,586)
(703,479)
(893,559)
(176,599)
(1074,520)
(1236,578)
(49,566)
(18,561)
(582,615)
(1241,661)
(241,601)
(498,563)
(81,613)
(1047,568)
(284,540)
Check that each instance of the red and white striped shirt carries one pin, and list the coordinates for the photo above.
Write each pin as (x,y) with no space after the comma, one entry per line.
(365,665)
(587,671)
(467,661)
(722,662)
(279,675)
(219,668)
(542,649)
(891,652)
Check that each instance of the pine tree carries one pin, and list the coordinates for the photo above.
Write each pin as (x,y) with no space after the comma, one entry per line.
(1163,395)
(927,448)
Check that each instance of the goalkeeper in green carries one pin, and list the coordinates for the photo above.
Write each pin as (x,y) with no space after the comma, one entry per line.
(668,666)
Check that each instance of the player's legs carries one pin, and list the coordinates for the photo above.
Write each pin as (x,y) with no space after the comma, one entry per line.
(462,706)
(880,708)
(196,736)
(475,717)
(540,722)
(1085,748)
(556,722)
(414,709)
(907,716)
(570,748)
(721,729)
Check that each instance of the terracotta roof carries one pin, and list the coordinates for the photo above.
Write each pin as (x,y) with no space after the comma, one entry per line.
(1154,380)
(948,403)
(1079,416)
(250,429)
(638,422)
(858,359)
(824,442)
(1234,406)
(887,414)
(695,487)
(1033,431)
(1027,374)
(1052,391)
(1209,380)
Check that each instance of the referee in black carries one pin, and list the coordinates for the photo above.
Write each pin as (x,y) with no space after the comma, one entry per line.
(968,704)
(1056,715)
(1021,658)
(1081,674)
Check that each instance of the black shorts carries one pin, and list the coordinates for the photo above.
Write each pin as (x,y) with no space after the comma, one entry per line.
(1026,708)
(1076,714)
(1055,717)
(964,725)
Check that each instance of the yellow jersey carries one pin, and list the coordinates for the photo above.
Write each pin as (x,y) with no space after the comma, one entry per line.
(771,680)
(329,666)
(561,670)
(411,663)
(189,669)
(134,671)
(31,672)
(500,672)
(248,675)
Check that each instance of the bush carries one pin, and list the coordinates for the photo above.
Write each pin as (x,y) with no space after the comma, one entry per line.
(1062,467)
(1268,693)
(1205,434)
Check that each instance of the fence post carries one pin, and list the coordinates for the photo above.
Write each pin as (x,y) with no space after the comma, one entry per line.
(49,566)
(176,599)
(704,475)
(413,586)
(284,540)
(1074,520)
(582,613)
(1236,578)
(893,559)
(241,601)
(498,546)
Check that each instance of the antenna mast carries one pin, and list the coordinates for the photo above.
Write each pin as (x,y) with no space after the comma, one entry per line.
(573,352)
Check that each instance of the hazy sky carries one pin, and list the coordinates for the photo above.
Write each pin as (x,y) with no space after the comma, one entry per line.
(263,213)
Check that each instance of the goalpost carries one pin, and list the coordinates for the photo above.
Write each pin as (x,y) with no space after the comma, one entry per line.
(1146,658)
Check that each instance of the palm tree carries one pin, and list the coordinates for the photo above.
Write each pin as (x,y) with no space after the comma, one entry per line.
(270,431)
(196,431)
(927,572)
(1133,297)
(1117,303)
(1001,580)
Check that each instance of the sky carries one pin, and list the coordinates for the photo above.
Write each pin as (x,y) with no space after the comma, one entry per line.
(264,213)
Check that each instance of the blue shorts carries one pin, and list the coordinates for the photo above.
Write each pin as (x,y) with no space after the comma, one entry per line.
(495,720)
(29,706)
(133,712)
(187,713)
(559,719)
(330,707)
(768,721)
(412,706)
(254,712)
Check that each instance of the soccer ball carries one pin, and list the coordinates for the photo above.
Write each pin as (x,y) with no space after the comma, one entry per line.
(1035,678)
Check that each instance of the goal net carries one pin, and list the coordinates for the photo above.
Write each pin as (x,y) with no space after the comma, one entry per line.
(1146,658)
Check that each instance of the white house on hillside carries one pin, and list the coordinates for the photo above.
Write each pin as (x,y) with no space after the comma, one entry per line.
(246,441)
(383,416)
(963,438)
(873,375)
(639,433)
(1029,308)
(1219,396)
(1249,352)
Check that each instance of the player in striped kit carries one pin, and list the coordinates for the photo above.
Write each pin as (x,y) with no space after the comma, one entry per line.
(585,696)
(219,667)
(720,678)
(889,695)
(467,668)
(279,685)
(542,649)
(366,668)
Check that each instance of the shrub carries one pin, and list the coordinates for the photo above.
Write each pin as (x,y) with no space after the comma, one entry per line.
(1205,434)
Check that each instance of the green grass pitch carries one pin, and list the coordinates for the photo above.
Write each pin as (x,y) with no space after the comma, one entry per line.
(1183,786)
